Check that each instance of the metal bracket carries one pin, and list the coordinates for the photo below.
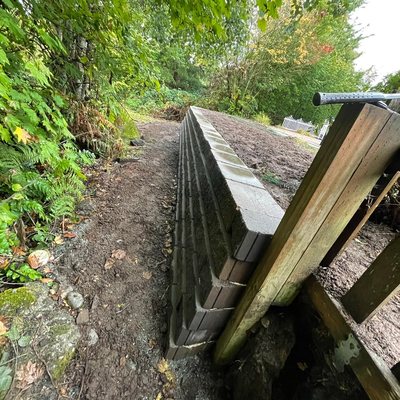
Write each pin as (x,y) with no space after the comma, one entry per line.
(345,351)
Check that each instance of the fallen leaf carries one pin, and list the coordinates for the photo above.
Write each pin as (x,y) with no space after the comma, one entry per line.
(118,254)
(22,135)
(47,270)
(58,240)
(159,396)
(46,280)
(163,368)
(3,328)
(69,235)
(18,251)
(4,261)
(122,362)
(38,258)
(28,374)
(147,275)
(109,263)
(63,391)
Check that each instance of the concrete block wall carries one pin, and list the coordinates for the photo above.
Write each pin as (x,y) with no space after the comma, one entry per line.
(224,220)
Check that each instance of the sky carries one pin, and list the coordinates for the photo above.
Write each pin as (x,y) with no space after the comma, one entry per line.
(379,20)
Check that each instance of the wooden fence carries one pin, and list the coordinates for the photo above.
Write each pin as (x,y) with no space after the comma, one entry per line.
(362,143)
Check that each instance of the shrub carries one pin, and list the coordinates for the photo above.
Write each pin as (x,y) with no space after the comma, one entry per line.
(263,119)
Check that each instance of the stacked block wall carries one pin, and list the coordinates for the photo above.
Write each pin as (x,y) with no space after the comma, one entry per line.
(224,220)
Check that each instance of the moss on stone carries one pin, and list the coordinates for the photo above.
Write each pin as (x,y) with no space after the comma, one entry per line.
(12,300)
(61,364)
(59,330)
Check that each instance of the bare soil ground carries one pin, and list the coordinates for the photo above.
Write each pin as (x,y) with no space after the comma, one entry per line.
(120,263)
(281,163)
(129,214)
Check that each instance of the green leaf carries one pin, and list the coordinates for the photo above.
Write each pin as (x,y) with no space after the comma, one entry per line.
(16,187)
(3,57)
(262,24)
(58,100)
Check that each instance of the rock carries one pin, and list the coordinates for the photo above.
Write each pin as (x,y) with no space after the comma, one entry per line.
(85,207)
(127,160)
(75,300)
(83,317)
(137,142)
(93,337)
(35,318)
(95,302)
(263,358)
(38,258)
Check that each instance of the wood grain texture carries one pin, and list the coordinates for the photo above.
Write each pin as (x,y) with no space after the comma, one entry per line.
(379,283)
(374,375)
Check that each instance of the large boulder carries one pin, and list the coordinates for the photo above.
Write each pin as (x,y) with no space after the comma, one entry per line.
(40,335)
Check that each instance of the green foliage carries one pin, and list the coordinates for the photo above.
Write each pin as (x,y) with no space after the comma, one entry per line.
(22,273)
(390,84)
(281,69)
(153,101)
(272,178)
(263,119)
(40,167)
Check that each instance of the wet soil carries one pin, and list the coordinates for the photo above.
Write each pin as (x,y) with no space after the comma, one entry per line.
(281,163)
(120,263)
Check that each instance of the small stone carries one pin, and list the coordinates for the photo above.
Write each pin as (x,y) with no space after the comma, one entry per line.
(38,258)
(137,142)
(93,337)
(131,365)
(75,300)
(83,317)
(95,302)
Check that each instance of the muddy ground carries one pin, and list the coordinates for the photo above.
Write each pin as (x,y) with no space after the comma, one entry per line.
(120,263)
(281,163)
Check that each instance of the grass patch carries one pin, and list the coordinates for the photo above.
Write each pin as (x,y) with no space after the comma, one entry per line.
(270,177)
(304,145)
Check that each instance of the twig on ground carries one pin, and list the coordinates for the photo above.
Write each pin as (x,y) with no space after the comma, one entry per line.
(84,374)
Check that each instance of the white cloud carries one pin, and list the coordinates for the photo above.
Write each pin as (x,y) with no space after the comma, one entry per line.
(379,20)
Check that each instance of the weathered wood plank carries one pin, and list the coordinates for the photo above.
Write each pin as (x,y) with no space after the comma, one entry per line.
(364,178)
(355,130)
(359,219)
(374,375)
(378,284)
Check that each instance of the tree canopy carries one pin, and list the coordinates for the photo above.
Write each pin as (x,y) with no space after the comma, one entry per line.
(71,71)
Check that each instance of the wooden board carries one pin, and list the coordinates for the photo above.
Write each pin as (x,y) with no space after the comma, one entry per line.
(379,283)
(359,219)
(354,132)
(374,375)
(367,173)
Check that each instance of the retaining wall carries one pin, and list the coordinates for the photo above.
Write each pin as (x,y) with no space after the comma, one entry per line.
(224,220)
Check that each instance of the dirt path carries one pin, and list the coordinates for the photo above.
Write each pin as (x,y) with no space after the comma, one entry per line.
(131,210)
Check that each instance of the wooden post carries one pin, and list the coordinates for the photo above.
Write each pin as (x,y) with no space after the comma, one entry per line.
(377,285)
(359,147)
(359,219)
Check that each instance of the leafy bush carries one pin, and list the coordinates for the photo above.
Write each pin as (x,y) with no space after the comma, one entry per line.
(155,101)
(40,166)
